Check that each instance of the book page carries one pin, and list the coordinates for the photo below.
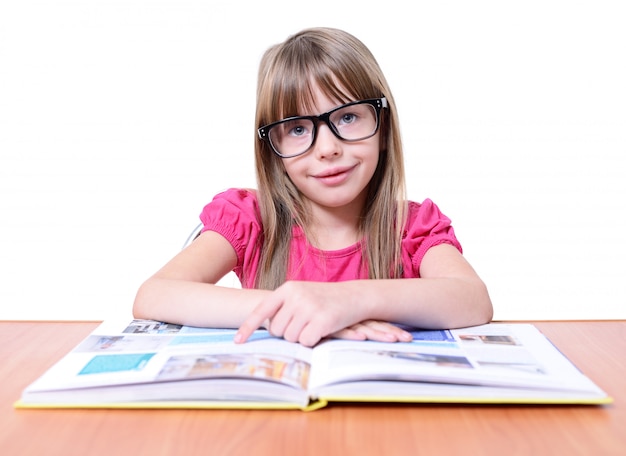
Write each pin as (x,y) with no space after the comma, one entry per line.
(499,355)
(145,352)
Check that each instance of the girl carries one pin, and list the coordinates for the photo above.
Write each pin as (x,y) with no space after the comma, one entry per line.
(327,246)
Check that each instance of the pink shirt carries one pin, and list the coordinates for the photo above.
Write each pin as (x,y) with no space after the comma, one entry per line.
(234,214)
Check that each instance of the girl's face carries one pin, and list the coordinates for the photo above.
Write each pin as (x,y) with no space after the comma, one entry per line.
(334,174)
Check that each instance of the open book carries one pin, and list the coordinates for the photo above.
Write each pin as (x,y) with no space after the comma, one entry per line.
(146,364)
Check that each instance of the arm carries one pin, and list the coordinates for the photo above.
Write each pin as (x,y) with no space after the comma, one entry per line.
(184,290)
(448,294)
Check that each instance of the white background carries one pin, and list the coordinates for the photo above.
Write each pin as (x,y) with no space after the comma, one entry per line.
(120,119)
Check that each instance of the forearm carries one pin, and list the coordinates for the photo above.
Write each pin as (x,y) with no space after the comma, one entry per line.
(427,302)
(194,303)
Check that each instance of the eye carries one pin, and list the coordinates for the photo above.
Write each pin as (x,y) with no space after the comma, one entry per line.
(297,130)
(347,118)
(351,115)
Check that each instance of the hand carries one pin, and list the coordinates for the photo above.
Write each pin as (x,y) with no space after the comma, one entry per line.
(379,331)
(306,312)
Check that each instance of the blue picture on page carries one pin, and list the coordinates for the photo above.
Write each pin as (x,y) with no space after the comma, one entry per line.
(104,364)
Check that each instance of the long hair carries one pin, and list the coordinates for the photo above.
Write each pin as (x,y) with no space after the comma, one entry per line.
(344,69)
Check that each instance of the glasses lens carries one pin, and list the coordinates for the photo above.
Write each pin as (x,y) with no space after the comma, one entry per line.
(354,122)
(292,137)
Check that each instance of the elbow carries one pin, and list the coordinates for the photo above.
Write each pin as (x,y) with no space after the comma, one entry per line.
(140,306)
(476,308)
(483,305)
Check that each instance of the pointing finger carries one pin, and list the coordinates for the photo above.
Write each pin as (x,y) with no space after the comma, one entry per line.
(264,311)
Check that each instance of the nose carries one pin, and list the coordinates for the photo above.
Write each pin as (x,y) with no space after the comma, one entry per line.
(327,145)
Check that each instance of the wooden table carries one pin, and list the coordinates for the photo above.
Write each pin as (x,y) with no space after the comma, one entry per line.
(598,348)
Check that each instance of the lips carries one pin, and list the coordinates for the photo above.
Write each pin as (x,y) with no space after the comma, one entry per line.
(331,172)
(335,175)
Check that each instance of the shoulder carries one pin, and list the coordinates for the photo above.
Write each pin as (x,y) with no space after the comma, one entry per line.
(232,206)
(237,195)
(244,199)
(426,226)
(425,216)
(234,214)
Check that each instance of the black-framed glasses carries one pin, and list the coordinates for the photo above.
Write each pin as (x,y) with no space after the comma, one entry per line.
(354,121)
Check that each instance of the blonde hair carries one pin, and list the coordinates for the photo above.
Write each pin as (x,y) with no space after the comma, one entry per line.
(343,68)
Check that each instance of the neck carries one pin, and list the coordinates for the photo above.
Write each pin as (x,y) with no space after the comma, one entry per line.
(335,228)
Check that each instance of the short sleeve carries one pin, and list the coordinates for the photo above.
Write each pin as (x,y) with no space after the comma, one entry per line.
(426,227)
(234,214)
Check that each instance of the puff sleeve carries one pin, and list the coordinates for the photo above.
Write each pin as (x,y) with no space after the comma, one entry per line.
(426,227)
(234,214)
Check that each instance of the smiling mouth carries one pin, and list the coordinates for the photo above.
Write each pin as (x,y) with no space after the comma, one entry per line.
(334,173)
(335,176)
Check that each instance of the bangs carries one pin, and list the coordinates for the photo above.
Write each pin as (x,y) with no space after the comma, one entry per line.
(305,66)
(294,95)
